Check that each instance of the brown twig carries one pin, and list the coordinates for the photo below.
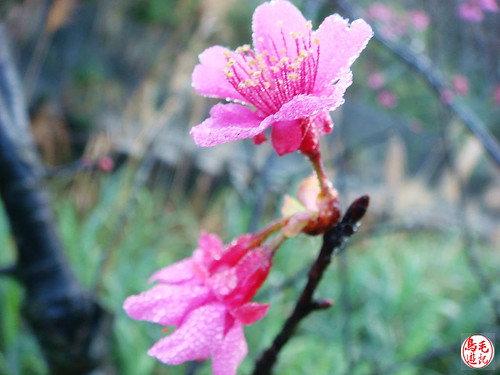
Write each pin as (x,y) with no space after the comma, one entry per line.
(332,244)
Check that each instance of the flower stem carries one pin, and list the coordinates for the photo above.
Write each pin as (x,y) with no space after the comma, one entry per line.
(272,228)
(319,169)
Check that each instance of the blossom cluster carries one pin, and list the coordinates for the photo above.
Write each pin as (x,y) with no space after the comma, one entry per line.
(288,82)
(207,297)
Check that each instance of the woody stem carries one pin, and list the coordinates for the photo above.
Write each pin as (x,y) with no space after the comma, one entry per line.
(333,241)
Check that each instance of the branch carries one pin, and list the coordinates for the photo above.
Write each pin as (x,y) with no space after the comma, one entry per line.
(70,326)
(435,80)
(10,271)
(333,241)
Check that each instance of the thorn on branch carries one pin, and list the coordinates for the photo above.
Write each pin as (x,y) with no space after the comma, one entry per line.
(322,304)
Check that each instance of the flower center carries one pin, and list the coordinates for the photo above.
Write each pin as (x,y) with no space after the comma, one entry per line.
(269,79)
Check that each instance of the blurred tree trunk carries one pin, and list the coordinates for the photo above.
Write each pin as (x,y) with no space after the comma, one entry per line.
(71,327)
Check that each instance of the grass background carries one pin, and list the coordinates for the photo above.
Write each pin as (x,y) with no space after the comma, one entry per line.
(397,295)
(113,78)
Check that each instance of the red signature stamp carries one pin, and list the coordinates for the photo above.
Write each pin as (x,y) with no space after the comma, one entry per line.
(477,351)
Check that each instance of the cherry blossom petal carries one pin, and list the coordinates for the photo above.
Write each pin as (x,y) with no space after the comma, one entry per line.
(210,249)
(223,282)
(286,136)
(196,338)
(250,312)
(339,45)
(308,192)
(237,249)
(303,106)
(324,124)
(272,24)
(166,304)
(209,78)
(251,272)
(227,122)
(231,352)
(176,273)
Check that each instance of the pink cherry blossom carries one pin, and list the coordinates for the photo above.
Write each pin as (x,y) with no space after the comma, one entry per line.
(293,76)
(419,19)
(447,96)
(208,298)
(106,164)
(470,11)
(387,99)
(489,5)
(376,81)
(381,12)
(460,85)
(496,94)
(473,10)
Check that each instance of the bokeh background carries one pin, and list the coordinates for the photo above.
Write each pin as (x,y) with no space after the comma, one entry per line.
(109,93)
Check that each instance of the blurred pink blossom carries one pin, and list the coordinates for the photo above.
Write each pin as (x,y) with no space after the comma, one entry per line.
(489,5)
(470,12)
(496,95)
(460,85)
(397,28)
(376,81)
(473,10)
(208,298)
(381,12)
(284,76)
(387,99)
(106,164)
(419,19)
(447,96)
